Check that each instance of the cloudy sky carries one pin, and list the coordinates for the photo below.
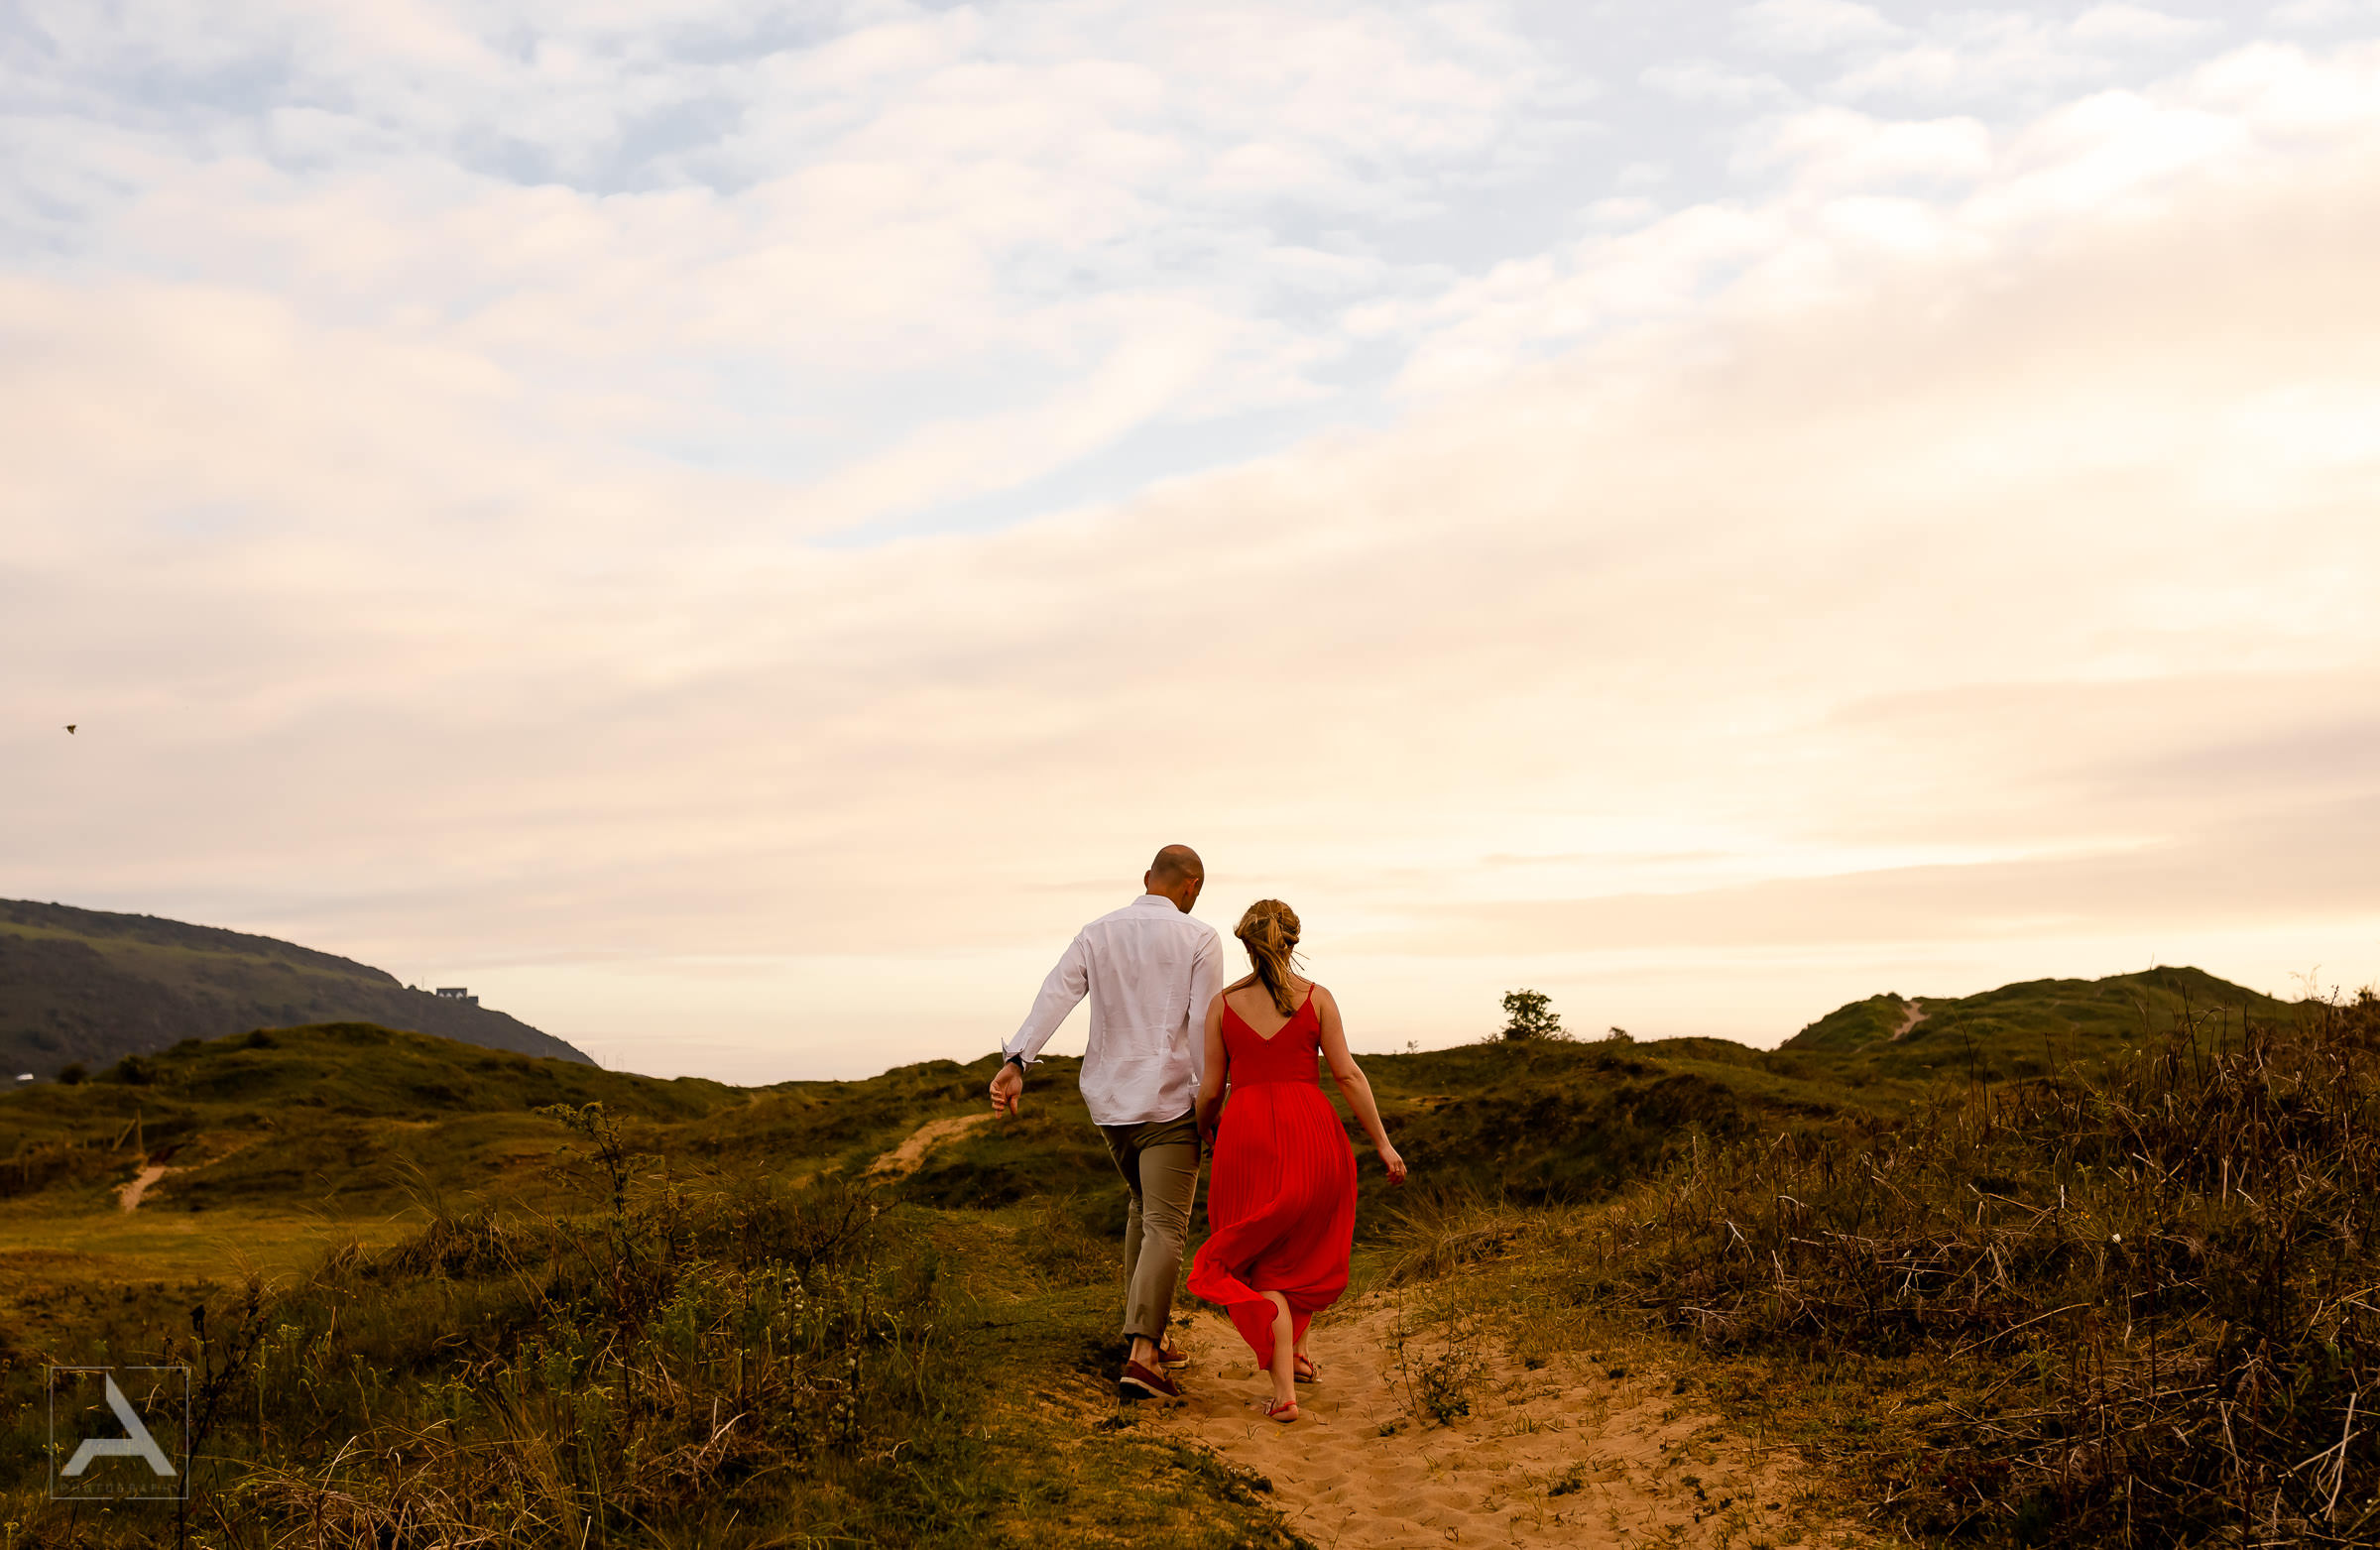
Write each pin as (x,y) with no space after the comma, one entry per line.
(730,528)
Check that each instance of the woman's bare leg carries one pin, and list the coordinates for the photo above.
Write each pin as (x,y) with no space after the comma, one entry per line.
(1284,1353)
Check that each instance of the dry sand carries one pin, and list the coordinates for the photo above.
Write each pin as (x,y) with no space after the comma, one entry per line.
(1563,1455)
(906,1158)
(200,1151)
(128,1196)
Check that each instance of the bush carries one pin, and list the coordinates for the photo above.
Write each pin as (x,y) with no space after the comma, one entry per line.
(1531,1015)
(694,1366)
(132,1071)
(2145,1288)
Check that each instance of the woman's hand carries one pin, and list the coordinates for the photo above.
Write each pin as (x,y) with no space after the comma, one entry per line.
(1393,1164)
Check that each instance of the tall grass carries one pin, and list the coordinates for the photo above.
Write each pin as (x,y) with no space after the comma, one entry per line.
(2153,1292)
(724,1362)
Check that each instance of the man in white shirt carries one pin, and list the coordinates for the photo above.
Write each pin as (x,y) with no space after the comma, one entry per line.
(1150,972)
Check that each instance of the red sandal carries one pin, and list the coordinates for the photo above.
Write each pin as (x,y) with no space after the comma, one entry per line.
(1282,1410)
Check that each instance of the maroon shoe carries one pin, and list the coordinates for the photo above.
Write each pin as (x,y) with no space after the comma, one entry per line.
(1168,1358)
(1140,1382)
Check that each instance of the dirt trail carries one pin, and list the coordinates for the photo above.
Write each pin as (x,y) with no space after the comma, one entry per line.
(128,1196)
(906,1158)
(1566,1455)
(202,1152)
(1916,1015)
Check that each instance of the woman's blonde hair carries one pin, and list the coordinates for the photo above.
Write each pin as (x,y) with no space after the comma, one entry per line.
(1270,933)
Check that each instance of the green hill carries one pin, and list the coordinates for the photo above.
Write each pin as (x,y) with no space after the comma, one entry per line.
(2025,1029)
(535,1318)
(84,986)
(349,1116)
(344,1120)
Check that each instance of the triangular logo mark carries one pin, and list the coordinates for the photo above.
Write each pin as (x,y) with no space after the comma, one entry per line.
(136,1443)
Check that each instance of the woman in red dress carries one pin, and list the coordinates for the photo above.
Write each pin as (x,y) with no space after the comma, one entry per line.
(1281,1196)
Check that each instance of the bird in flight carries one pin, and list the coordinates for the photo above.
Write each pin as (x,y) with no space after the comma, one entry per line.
(71,726)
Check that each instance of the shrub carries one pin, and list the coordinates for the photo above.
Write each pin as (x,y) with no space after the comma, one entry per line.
(711,1361)
(1531,1015)
(2147,1288)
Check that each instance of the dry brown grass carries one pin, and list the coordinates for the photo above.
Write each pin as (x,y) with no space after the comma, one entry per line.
(2138,1306)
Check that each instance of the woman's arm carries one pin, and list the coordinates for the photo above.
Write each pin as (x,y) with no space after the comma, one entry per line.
(1218,1063)
(1350,1077)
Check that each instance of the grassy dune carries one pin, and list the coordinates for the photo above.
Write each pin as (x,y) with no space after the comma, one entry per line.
(655,1312)
(2028,1030)
(2130,1302)
(440,1294)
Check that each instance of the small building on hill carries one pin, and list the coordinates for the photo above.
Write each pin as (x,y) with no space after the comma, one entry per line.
(457,992)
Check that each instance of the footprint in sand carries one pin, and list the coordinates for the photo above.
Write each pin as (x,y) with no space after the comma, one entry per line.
(1359,1469)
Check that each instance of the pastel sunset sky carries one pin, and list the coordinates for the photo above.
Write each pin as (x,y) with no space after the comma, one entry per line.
(730,528)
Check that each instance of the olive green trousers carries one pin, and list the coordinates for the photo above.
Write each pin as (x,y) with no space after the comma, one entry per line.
(1159,1164)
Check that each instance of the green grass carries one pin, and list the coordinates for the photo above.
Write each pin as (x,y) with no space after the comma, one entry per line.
(406,1253)
(535,1332)
(2019,1030)
(2126,1304)
(729,1359)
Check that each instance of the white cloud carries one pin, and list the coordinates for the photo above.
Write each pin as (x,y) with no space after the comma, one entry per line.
(1812,26)
(2137,23)
(1946,554)
(1979,56)
(893,255)
(1832,148)
(1706,83)
(2322,13)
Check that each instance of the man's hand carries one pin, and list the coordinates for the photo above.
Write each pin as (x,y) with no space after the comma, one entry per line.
(1007,1089)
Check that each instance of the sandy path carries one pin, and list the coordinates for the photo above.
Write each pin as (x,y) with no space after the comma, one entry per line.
(128,1196)
(1916,1015)
(1565,1454)
(906,1158)
(202,1152)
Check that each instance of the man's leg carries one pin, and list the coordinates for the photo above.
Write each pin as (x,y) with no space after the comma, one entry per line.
(1124,1146)
(1168,1159)
(1132,1230)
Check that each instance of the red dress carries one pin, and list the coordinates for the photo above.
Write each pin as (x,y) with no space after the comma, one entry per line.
(1281,1196)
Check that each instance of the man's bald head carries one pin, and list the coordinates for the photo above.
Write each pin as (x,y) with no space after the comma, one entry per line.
(1177,864)
(1178,874)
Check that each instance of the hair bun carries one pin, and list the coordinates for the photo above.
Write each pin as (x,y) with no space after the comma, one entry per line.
(1269,930)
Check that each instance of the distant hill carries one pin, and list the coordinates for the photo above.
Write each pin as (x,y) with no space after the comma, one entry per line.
(86,986)
(2024,1030)
(345,1117)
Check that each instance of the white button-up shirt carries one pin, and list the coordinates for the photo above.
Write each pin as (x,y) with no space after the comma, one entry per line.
(1150,972)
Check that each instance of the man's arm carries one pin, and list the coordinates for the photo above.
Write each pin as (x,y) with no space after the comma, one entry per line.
(1206,982)
(1217,1067)
(1061,993)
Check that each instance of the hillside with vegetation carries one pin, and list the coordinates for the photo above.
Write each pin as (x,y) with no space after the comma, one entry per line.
(84,987)
(2119,1301)
(2026,1029)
